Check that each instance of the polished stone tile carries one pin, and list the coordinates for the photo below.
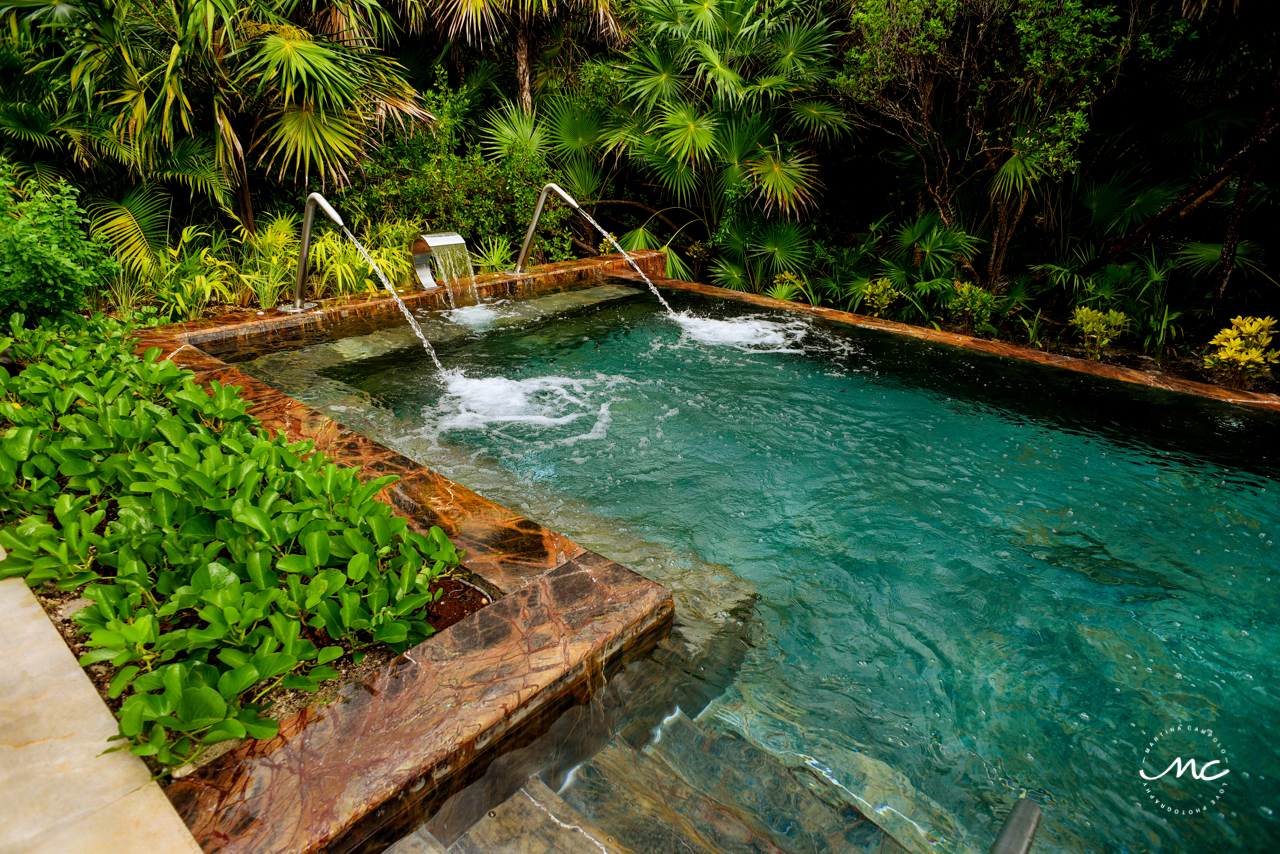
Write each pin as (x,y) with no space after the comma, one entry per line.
(421,717)
(535,821)
(142,821)
(58,790)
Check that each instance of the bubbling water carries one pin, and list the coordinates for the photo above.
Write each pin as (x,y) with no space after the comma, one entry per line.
(745,333)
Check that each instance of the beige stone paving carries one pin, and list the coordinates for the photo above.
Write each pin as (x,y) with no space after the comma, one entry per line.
(58,793)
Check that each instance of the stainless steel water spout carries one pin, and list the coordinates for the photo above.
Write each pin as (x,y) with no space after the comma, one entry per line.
(537,214)
(424,248)
(304,254)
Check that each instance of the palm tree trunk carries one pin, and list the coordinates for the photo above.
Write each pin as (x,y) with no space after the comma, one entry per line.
(524,74)
(1232,241)
(246,207)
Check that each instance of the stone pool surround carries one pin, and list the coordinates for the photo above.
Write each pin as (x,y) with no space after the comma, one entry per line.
(357,774)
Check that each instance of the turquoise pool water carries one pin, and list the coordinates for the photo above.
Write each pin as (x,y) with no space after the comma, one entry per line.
(991,578)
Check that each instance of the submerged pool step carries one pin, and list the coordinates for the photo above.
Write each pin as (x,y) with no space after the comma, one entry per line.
(534,820)
(736,772)
(696,790)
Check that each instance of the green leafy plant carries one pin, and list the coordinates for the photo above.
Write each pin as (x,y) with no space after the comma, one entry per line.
(786,286)
(1097,329)
(879,295)
(972,307)
(495,254)
(48,264)
(1240,353)
(1032,327)
(221,563)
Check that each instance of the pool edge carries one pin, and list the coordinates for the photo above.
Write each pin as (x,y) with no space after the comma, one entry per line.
(995,348)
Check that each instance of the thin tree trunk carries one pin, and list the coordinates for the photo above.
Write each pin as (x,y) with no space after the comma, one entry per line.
(1004,236)
(246,207)
(524,74)
(1232,241)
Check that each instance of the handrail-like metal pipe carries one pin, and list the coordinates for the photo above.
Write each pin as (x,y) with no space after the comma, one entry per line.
(1019,828)
(533,225)
(315,200)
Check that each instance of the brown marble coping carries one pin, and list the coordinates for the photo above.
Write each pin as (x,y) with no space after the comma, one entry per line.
(1153,379)
(422,718)
(560,614)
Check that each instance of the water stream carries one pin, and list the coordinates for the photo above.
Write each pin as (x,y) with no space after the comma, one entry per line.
(630,260)
(453,263)
(404,309)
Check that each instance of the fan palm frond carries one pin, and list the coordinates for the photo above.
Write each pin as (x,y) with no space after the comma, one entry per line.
(784,180)
(690,136)
(573,129)
(783,247)
(819,119)
(299,139)
(654,75)
(511,132)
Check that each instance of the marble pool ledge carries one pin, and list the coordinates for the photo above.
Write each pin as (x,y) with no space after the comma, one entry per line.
(360,772)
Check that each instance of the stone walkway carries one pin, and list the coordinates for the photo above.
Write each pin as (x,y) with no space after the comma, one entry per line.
(59,794)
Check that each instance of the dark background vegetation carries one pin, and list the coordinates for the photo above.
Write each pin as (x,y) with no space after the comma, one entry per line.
(987,165)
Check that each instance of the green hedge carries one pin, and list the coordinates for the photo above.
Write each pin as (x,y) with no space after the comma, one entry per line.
(221,563)
(48,263)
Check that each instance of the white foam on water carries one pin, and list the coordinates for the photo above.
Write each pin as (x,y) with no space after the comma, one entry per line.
(536,408)
(752,333)
(477,317)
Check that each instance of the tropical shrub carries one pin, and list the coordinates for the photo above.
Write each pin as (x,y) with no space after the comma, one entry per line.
(221,563)
(972,306)
(879,295)
(1240,351)
(48,264)
(1097,329)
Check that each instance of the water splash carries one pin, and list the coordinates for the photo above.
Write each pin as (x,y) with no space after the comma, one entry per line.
(630,260)
(404,309)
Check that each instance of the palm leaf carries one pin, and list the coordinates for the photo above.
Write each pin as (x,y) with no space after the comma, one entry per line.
(690,136)
(301,138)
(573,129)
(134,227)
(654,75)
(819,119)
(783,247)
(511,132)
(784,180)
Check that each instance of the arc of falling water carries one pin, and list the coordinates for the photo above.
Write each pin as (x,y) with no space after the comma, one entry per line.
(403,308)
(533,224)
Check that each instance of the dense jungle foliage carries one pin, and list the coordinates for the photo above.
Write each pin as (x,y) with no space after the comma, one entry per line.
(1061,173)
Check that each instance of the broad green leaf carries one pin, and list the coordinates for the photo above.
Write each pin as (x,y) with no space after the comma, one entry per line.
(201,706)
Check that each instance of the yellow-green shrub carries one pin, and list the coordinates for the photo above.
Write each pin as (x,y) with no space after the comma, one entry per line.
(1240,351)
(879,295)
(1098,329)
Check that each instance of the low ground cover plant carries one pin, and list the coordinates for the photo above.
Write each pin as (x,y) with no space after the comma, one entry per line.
(221,563)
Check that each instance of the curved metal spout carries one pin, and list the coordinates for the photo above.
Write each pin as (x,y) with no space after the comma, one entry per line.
(315,200)
(533,225)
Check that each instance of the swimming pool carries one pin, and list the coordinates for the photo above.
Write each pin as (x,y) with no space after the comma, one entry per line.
(971,578)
